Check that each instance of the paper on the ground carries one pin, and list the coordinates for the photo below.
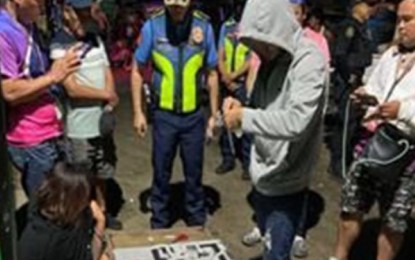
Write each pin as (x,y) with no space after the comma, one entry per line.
(198,250)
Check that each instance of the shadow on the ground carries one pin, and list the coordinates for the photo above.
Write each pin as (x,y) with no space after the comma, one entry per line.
(176,203)
(366,245)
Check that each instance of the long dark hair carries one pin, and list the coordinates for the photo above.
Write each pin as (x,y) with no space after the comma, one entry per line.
(65,194)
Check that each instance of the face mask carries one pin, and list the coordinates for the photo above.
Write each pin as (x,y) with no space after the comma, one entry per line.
(183,3)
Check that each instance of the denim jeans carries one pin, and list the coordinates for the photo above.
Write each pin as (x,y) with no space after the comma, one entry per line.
(34,163)
(278,218)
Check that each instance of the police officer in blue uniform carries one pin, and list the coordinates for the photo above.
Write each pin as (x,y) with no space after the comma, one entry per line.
(179,42)
(234,64)
(352,54)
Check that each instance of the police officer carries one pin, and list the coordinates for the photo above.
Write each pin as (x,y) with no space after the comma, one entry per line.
(180,44)
(352,53)
(234,65)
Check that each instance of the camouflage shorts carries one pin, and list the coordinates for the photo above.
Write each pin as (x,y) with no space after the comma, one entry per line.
(361,191)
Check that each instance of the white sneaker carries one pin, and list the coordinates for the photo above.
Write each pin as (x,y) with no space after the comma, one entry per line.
(299,248)
(333,258)
(252,238)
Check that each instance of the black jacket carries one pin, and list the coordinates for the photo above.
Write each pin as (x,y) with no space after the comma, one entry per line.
(43,240)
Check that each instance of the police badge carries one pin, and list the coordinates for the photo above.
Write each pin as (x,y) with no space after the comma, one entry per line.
(197,35)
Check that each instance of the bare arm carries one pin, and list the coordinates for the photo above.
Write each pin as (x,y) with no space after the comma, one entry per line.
(241,71)
(18,91)
(78,91)
(99,229)
(110,87)
(213,91)
(221,62)
(109,80)
(140,121)
(137,89)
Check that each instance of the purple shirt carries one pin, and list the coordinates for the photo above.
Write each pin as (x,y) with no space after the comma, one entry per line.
(34,122)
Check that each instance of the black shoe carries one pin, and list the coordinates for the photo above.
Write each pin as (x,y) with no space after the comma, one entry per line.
(245,175)
(224,168)
(113,223)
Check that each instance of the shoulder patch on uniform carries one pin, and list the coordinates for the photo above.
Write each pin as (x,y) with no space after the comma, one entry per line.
(350,32)
(157,12)
(201,15)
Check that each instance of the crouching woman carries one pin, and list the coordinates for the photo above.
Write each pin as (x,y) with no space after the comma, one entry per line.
(64,221)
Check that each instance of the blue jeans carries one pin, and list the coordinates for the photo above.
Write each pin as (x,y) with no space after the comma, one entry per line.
(34,163)
(278,219)
(170,132)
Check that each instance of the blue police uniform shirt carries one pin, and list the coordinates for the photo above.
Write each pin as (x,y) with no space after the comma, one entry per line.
(222,35)
(143,51)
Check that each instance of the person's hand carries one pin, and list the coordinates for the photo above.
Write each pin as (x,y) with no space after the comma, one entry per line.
(226,79)
(140,124)
(62,68)
(210,127)
(233,118)
(232,113)
(357,95)
(389,110)
(97,212)
(230,103)
(113,99)
(233,76)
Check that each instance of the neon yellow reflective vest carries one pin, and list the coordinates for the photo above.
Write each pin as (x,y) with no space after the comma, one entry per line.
(236,53)
(178,74)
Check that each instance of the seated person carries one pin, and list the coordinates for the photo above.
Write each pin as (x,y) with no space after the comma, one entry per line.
(64,221)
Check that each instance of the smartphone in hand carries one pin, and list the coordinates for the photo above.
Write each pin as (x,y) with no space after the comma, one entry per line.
(368,100)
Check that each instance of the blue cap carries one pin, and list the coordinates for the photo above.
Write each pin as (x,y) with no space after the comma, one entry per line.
(297,2)
(79,3)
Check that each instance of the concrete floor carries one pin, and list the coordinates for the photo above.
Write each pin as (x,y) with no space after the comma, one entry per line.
(232,215)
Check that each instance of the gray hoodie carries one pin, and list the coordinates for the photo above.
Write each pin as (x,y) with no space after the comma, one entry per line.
(288,100)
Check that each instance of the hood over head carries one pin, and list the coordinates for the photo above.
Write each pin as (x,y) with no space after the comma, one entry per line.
(270,21)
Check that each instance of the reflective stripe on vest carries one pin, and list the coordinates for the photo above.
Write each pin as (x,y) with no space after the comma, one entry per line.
(190,70)
(167,80)
(235,59)
(189,84)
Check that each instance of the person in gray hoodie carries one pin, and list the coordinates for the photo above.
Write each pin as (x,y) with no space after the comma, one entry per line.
(286,118)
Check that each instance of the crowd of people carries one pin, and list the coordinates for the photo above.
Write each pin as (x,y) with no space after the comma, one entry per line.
(280,79)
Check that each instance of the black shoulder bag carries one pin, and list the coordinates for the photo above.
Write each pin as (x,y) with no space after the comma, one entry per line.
(389,151)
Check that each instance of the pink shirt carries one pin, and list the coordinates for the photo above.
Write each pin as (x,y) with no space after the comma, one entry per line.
(34,122)
(320,40)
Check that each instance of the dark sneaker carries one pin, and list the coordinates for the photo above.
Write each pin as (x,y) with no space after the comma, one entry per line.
(113,223)
(224,168)
(245,175)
